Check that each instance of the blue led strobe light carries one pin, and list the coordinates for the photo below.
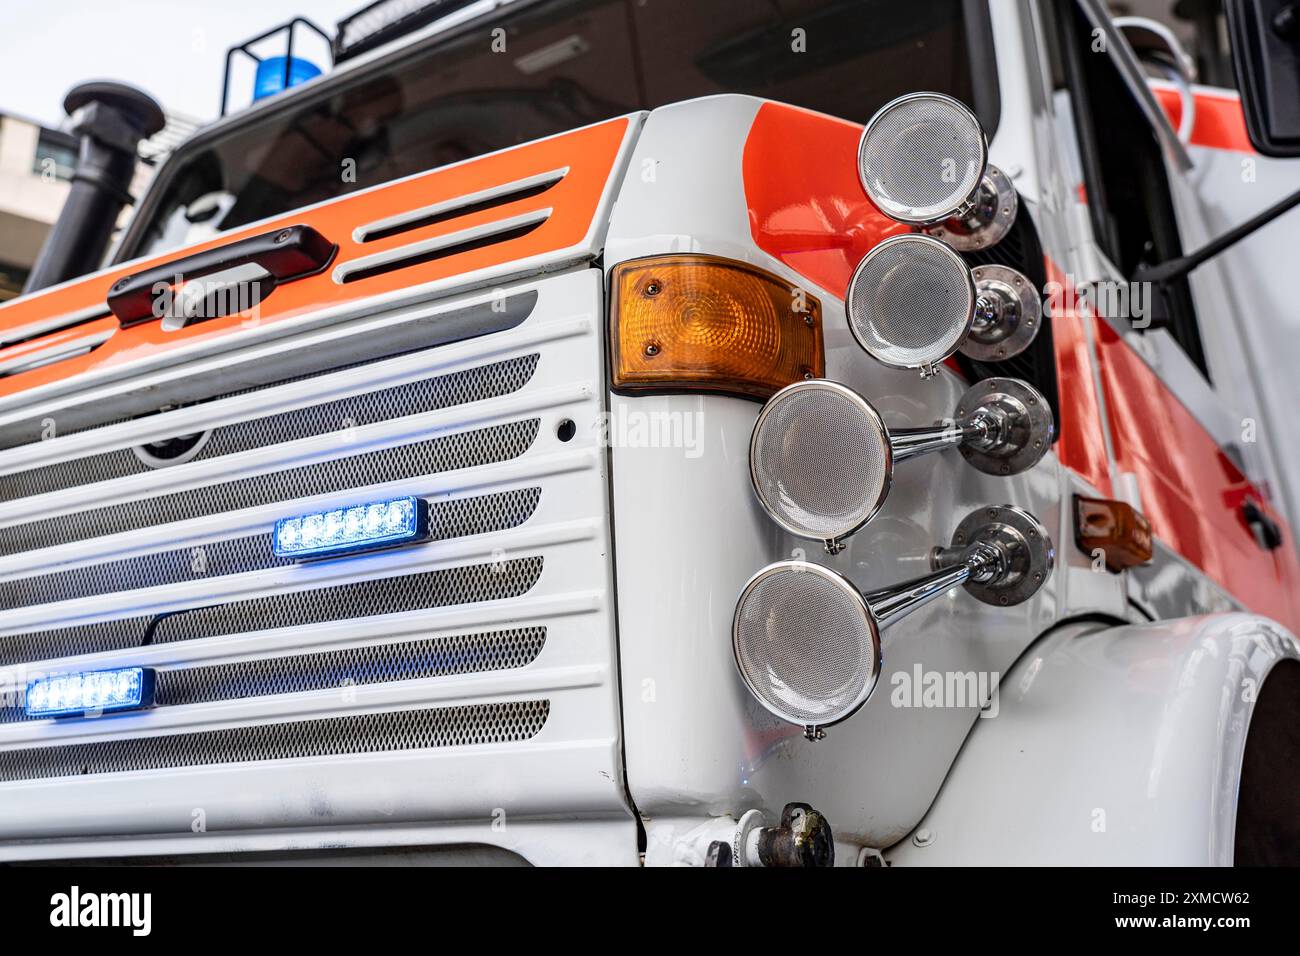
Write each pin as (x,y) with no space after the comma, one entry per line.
(90,692)
(376,524)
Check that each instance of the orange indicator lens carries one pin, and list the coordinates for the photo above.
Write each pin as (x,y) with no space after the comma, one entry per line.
(694,322)
(1115,528)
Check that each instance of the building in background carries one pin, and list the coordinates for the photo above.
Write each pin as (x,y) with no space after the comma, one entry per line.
(36,164)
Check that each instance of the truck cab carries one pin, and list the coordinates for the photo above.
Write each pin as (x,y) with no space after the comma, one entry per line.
(453,513)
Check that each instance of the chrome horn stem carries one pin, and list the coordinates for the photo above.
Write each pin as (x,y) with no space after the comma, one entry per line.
(985,429)
(892,604)
(907,443)
(983,562)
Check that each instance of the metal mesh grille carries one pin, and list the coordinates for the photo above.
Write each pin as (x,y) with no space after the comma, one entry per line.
(820,461)
(355,734)
(448,519)
(446,453)
(468,584)
(911,302)
(372,664)
(805,645)
(413,398)
(485,582)
(922,158)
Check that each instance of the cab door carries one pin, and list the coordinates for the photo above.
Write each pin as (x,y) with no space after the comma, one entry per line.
(1189,438)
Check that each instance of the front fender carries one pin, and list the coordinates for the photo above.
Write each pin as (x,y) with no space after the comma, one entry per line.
(1108,746)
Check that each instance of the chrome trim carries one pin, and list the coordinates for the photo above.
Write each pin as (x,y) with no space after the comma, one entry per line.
(54,353)
(55,323)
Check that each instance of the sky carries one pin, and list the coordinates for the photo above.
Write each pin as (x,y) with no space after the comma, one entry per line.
(172,49)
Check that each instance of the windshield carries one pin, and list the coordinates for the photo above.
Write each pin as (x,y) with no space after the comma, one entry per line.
(565,64)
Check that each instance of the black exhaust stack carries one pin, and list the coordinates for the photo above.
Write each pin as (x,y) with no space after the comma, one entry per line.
(111,119)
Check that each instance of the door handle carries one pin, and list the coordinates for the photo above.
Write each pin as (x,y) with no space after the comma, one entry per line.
(271,258)
(1268,534)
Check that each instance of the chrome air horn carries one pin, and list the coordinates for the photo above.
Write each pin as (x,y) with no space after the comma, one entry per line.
(923,159)
(806,639)
(821,459)
(912,302)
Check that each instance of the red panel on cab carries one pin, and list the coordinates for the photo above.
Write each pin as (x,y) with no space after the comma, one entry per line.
(806,206)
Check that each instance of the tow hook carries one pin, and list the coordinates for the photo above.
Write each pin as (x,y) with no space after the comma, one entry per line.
(803,838)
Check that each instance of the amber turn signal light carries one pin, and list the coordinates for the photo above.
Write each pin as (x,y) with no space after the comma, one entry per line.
(1115,528)
(694,322)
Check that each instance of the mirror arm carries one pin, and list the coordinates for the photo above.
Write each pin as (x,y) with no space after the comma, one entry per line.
(1168,271)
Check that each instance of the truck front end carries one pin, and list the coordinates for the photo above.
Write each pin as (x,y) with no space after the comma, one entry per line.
(399,468)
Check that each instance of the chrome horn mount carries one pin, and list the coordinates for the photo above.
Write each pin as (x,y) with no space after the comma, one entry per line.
(1000,554)
(985,218)
(1005,551)
(1002,426)
(1007,426)
(1008,313)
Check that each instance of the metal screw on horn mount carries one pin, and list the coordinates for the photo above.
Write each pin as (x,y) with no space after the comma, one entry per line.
(806,639)
(821,459)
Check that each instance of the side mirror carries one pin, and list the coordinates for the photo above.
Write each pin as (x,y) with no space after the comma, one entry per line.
(1265,37)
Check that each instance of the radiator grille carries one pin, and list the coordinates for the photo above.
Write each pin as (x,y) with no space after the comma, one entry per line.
(461,585)
(447,453)
(457,388)
(355,734)
(448,519)
(385,643)
(371,664)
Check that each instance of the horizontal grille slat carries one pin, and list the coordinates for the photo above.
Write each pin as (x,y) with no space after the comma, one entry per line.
(453,518)
(451,452)
(467,584)
(370,664)
(486,582)
(412,398)
(401,730)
